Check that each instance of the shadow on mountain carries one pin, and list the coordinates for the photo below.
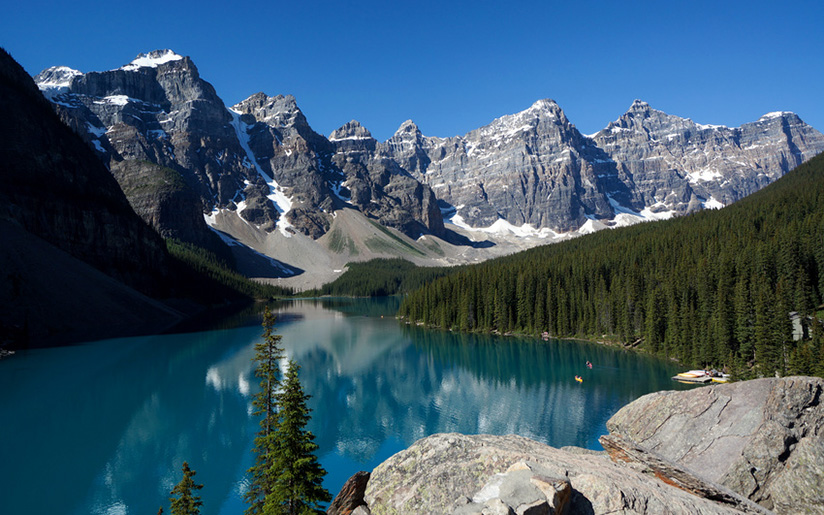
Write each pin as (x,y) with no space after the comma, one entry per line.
(454,238)
(254,264)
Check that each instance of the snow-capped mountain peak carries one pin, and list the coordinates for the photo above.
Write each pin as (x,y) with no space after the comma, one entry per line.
(775,114)
(55,80)
(152,60)
(545,104)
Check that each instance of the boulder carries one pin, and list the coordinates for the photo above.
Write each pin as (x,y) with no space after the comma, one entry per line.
(763,439)
(454,473)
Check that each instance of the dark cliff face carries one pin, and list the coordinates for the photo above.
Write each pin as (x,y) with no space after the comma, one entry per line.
(159,195)
(75,257)
(53,186)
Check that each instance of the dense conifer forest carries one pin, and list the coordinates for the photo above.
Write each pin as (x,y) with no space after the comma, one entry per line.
(379,278)
(715,288)
(212,279)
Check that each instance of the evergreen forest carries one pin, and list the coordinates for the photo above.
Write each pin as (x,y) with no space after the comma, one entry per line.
(739,288)
(380,277)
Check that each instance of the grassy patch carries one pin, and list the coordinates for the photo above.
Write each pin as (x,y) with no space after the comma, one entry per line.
(338,242)
(379,245)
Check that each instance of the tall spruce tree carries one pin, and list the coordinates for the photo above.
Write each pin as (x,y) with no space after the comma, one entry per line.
(184,502)
(298,477)
(268,354)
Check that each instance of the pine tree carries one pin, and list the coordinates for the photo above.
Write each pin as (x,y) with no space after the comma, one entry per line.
(267,357)
(185,503)
(298,484)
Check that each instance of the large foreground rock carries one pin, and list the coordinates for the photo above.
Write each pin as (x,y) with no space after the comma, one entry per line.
(454,473)
(763,438)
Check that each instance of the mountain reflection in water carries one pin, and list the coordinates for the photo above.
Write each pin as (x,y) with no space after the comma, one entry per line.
(107,425)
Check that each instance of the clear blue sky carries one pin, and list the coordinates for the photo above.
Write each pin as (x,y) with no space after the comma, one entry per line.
(455,66)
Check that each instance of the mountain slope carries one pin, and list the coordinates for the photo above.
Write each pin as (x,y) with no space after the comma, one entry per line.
(71,240)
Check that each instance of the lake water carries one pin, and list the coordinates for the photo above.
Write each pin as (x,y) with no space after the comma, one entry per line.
(104,427)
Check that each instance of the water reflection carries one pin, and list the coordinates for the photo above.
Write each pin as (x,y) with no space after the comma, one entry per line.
(106,426)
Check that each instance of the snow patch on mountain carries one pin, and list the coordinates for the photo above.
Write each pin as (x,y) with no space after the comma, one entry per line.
(502,227)
(118,100)
(276,195)
(775,114)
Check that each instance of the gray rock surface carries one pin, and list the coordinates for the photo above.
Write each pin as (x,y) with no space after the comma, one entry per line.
(382,189)
(532,167)
(763,438)
(535,167)
(669,163)
(453,473)
(158,109)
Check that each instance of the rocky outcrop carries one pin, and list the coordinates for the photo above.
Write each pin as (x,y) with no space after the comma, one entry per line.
(622,450)
(763,439)
(453,473)
(350,497)
(748,447)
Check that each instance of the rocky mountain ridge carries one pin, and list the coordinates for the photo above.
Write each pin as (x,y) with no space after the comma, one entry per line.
(531,173)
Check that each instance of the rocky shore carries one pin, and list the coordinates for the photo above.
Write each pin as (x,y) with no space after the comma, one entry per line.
(749,447)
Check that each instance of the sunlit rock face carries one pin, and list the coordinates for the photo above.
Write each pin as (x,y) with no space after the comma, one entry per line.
(158,110)
(261,158)
(668,163)
(536,168)
(474,474)
(759,438)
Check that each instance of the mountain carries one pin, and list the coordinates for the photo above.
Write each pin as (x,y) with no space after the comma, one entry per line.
(673,165)
(75,257)
(258,173)
(260,158)
(535,168)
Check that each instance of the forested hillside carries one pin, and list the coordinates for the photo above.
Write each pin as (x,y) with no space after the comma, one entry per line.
(380,277)
(713,288)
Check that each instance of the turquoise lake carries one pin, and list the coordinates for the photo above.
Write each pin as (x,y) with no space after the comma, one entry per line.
(104,427)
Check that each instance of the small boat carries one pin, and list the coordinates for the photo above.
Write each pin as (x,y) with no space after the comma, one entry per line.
(589,365)
(702,376)
(579,379)
(692,380)
(693,376)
